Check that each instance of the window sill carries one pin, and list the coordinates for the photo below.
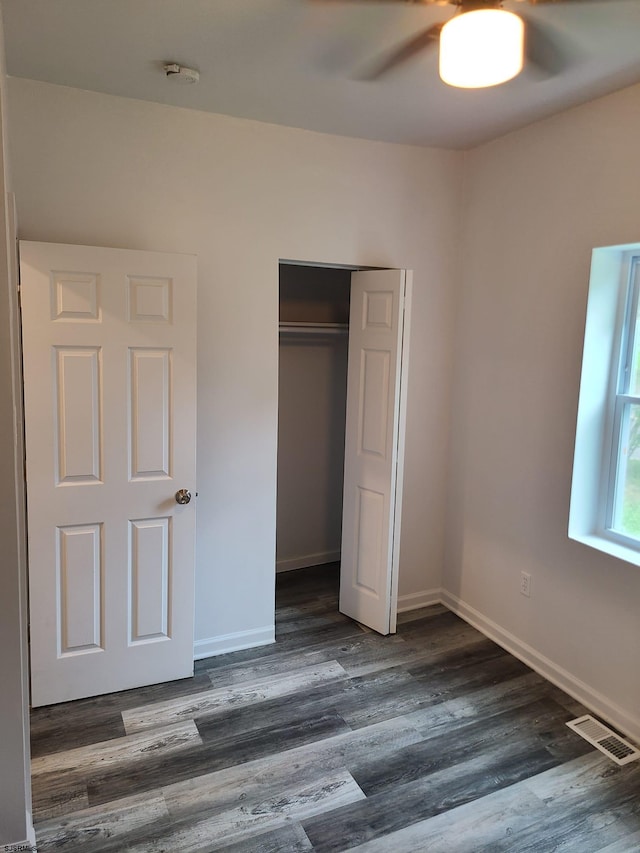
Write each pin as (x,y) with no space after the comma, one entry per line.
(608,546)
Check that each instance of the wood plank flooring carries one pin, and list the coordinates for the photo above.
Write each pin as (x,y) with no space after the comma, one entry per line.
(333,739)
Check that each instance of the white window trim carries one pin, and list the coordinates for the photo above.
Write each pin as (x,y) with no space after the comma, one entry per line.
(595,457)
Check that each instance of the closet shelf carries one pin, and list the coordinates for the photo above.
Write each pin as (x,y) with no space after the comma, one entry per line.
(314,328)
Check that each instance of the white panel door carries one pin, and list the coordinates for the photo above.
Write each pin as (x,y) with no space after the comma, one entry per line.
(373,449)
(110,403)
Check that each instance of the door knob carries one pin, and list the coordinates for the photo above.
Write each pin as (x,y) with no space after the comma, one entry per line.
(183,496)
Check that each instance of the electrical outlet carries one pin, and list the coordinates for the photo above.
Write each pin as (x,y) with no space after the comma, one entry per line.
(525,584)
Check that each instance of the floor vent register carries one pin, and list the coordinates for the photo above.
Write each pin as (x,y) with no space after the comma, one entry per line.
(604,739)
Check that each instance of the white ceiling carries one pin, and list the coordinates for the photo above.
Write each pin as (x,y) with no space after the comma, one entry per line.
(297,62)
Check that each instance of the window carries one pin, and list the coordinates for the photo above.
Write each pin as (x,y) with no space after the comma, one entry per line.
(605,490)
(623,476)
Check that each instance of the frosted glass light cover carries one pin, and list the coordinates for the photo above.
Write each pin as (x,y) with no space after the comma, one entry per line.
(481,48)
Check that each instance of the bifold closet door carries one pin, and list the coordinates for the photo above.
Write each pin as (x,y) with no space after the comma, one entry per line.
(373,449)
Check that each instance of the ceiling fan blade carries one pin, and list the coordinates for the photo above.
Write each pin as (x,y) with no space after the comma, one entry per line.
(424,40)
(543,49)
(546,2)
(399,2)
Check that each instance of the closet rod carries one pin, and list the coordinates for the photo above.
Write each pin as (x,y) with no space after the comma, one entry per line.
(314,328)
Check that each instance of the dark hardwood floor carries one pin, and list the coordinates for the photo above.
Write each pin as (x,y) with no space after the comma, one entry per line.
(333,739)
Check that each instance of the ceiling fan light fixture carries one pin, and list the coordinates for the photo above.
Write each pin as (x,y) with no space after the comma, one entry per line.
(481,48)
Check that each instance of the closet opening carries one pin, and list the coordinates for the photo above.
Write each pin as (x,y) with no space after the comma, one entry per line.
(343,359)
(313,350)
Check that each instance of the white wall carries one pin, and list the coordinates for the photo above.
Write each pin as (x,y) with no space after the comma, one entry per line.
(15,790)
(312,401)
(97,169)
(312,411)
(536,202)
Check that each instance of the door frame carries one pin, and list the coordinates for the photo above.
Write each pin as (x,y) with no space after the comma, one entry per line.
(402,415)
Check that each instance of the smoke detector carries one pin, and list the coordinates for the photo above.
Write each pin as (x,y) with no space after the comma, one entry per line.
(181,74)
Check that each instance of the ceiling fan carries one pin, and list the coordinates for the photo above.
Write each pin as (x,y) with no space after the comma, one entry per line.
(482,44)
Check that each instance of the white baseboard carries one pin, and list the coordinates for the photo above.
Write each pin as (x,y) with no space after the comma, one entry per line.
(307,560)
(415,600)
(29,844)
(595,701)
(233,642)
